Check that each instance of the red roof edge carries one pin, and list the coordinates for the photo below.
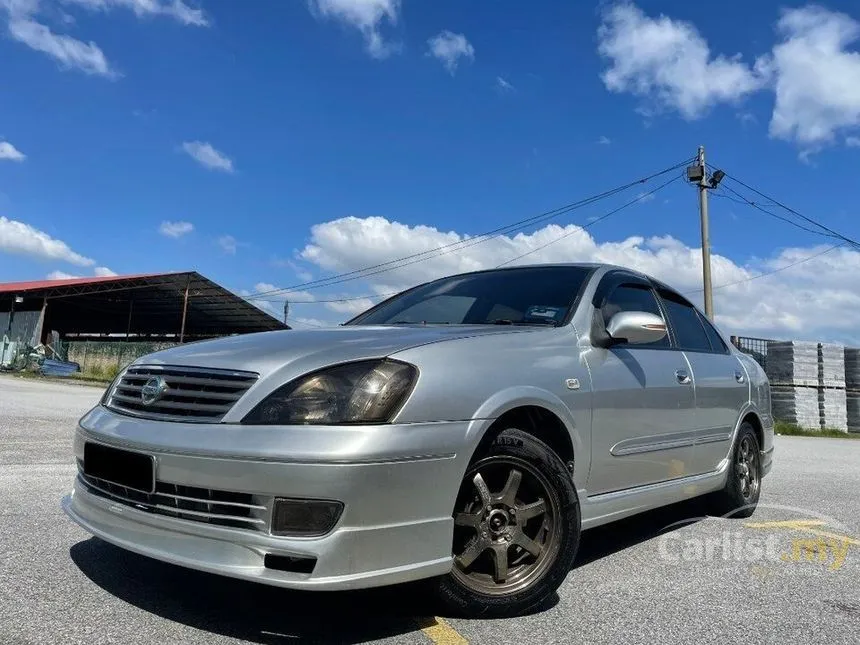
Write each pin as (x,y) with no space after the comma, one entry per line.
(23,287)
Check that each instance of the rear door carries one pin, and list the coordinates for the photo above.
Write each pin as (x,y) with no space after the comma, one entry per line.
(643,401)
(720,381)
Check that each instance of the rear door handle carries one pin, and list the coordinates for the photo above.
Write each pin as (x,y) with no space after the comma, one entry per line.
(683,377)
(739,377)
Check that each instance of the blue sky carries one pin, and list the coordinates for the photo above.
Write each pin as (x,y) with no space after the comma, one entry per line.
(150,135)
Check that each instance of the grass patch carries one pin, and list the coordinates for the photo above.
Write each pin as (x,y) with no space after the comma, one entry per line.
(789,429)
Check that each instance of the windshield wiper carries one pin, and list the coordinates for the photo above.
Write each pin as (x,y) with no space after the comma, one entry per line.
(507,321)
(414,322)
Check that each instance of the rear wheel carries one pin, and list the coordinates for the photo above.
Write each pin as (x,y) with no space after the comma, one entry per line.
(740,496)
(516,529)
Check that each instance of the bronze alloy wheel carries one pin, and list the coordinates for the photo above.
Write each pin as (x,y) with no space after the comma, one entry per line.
(747,467)
(507,534)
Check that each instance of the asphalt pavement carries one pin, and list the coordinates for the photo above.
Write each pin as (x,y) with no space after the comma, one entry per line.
(788,575)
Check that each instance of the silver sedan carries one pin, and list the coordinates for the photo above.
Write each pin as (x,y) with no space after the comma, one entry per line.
(464,432)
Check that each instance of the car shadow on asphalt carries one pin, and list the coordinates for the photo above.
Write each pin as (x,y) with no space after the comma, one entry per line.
(611,538)
(264,614)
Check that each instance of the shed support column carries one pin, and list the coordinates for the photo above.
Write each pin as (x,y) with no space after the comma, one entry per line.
(128,326)
(184,312)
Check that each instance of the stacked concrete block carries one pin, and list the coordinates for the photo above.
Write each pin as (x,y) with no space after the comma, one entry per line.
(833,404)
(852,369)
(796,404)
(852,383)
(831,365)
(853,405)
(792,363)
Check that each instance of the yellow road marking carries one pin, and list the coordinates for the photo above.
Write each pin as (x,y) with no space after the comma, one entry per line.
(807,526)
(440,632)
(785,524)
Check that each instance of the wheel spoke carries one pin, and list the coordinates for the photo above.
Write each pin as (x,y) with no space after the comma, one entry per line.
(483,491)
(470,554)
(523,540)
(534,509)
(472,520)
(509,492)
(500,561)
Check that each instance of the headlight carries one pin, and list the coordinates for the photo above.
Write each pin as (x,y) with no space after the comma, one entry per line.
(362,392)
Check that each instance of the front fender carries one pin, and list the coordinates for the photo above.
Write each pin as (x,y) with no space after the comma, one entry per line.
(524,395)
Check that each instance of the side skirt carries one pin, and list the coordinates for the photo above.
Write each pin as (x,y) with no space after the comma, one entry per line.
(609,507)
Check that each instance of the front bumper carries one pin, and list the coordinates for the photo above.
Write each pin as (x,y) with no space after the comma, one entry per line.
(396,525)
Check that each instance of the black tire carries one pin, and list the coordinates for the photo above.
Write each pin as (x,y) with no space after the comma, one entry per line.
(740,496)
(540,469)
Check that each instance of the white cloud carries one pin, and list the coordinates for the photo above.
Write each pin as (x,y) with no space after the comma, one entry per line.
(22,239)
(504,85)
(816,76)
(449,48)
(292,296)
(228,244)
(852,142)
(207,156)
(645,197)
(9,152)
(367,16)
(60,275)
(104,272)
(818,299)
(175,229)
(604,141)
(69,52)
(27,26)
(668,63)
(351,307)
(176,9)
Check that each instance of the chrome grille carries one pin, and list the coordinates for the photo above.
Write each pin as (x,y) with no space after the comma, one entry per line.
(223,508)
(193,394)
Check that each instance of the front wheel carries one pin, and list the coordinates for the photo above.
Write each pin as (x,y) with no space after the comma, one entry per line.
(516,530)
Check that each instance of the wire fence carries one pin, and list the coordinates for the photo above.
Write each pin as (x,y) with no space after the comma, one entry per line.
(755,347)
(103,360)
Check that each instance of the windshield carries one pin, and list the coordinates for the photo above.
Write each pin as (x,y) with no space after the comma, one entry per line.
(521,296)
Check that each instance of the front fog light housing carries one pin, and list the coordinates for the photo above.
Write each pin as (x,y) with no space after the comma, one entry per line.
(304,517)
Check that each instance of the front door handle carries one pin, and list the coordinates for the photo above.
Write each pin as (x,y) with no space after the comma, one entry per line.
(739,377)
(683,377)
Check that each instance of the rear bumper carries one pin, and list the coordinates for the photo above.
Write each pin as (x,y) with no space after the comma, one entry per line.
(396,525)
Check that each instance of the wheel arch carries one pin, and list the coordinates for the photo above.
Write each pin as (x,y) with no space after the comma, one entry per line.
(541,414)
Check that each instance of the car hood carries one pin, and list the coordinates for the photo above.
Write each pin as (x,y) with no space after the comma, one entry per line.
(302,351)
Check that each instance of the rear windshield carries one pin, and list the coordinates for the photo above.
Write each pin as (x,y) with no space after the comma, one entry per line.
(520,296)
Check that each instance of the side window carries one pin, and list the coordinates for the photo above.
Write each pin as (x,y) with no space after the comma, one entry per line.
(633,297)
(689,332)
(717,342)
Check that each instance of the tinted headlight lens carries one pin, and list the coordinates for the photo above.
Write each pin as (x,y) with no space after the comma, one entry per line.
(362,392)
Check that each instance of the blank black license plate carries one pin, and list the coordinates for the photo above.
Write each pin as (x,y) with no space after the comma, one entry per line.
(130,469)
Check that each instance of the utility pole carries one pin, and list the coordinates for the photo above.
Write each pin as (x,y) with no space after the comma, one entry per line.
(286,310)
(706,236)
(698,174)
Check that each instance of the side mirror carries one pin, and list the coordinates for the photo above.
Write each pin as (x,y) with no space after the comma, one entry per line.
(636,327)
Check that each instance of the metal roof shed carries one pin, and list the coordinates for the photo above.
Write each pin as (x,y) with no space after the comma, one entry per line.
(164,306)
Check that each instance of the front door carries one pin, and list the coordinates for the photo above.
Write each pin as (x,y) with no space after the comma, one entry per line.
(643,403)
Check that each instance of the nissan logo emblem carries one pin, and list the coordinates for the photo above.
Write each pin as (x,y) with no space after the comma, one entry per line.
(153,390)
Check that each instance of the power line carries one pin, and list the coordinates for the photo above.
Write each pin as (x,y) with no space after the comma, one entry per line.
(592,223)
(743,200)
(767,273)
(810,220)
(462,244)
